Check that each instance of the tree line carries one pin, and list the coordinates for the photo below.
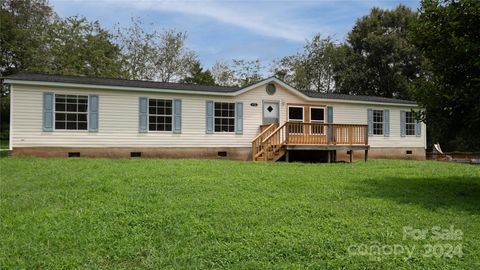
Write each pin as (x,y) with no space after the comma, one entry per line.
(431,55)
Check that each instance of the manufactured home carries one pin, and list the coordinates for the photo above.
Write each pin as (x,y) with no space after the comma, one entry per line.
(269,120)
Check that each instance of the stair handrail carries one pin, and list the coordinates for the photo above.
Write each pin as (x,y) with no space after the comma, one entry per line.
(268,147)
(257,141)
(275,131)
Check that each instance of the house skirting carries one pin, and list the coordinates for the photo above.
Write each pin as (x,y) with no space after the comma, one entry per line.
(413,153)
(235,153)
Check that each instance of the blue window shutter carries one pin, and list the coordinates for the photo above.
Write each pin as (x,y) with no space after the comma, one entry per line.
(403,125)
(93,113)
(386,123)
(48,111)
(330,114)
(418,129)
(177,116)
(143,115)
(209,117)
(370,122)
(239,118)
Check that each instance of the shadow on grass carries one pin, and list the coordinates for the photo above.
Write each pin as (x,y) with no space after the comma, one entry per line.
(432,193)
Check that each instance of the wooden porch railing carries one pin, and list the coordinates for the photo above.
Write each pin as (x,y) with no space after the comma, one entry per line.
(328,134)
(268,144)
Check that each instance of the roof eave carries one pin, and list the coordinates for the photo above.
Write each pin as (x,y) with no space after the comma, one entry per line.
(123,88)
(204,93)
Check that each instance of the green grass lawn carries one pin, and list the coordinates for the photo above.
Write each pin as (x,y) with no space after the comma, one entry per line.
(151,214)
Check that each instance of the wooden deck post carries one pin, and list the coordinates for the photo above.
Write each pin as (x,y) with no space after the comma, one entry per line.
(287,156)
(366,155)
(329,134)
(351,153)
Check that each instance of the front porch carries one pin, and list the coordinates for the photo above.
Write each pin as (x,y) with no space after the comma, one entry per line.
(275,142)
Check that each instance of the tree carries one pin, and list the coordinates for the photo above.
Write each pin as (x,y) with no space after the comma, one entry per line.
(313,69)
(447,34)
(137,47)
(198,76)
(380,59)
(79,47)
(23,26)
(152,55)
(173,60)
(223,74)
(246,72)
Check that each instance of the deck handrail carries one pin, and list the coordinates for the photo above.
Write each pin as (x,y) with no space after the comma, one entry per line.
(301,133)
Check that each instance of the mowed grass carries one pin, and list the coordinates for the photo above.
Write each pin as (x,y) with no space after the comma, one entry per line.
(176,214)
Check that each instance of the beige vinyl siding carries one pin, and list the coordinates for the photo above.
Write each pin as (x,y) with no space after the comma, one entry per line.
(119,116)
(357,114)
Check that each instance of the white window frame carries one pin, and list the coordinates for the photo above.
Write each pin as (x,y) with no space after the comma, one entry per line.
(226,117)
(317,121)
(383,122)
(296,120)
(148,116)
(414,123)
(55,113)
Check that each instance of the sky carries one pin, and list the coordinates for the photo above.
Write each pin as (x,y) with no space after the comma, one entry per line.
(222,30)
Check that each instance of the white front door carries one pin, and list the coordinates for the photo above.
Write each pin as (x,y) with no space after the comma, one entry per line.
(270,112)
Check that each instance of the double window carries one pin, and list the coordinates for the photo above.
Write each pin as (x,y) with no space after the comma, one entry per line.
(224,115)
(71,112)
(410,123)
(378,122)
(160,115)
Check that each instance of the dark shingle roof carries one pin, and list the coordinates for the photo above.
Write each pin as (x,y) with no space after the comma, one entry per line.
(358,98)
(26,76)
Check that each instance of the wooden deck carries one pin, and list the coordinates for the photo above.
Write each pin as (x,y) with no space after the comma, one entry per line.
(275,141)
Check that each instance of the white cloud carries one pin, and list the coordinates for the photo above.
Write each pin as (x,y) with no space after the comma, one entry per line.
(266,18)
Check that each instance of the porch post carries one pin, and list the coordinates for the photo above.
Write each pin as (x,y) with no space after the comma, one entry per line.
(366,155)
(351,153)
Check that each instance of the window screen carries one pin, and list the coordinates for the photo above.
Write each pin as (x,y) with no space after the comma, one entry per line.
(295,113)
(317,114)
(224,117)
(409,123)
(71,112)
(378,122)
(159,115)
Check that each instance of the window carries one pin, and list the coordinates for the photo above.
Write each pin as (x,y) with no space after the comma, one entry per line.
(159,115)
(409,123)
(317,116)
(224,117)
(378,122)
(295,114)
(71,112)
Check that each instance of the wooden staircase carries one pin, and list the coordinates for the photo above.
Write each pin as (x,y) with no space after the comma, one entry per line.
(269,145)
